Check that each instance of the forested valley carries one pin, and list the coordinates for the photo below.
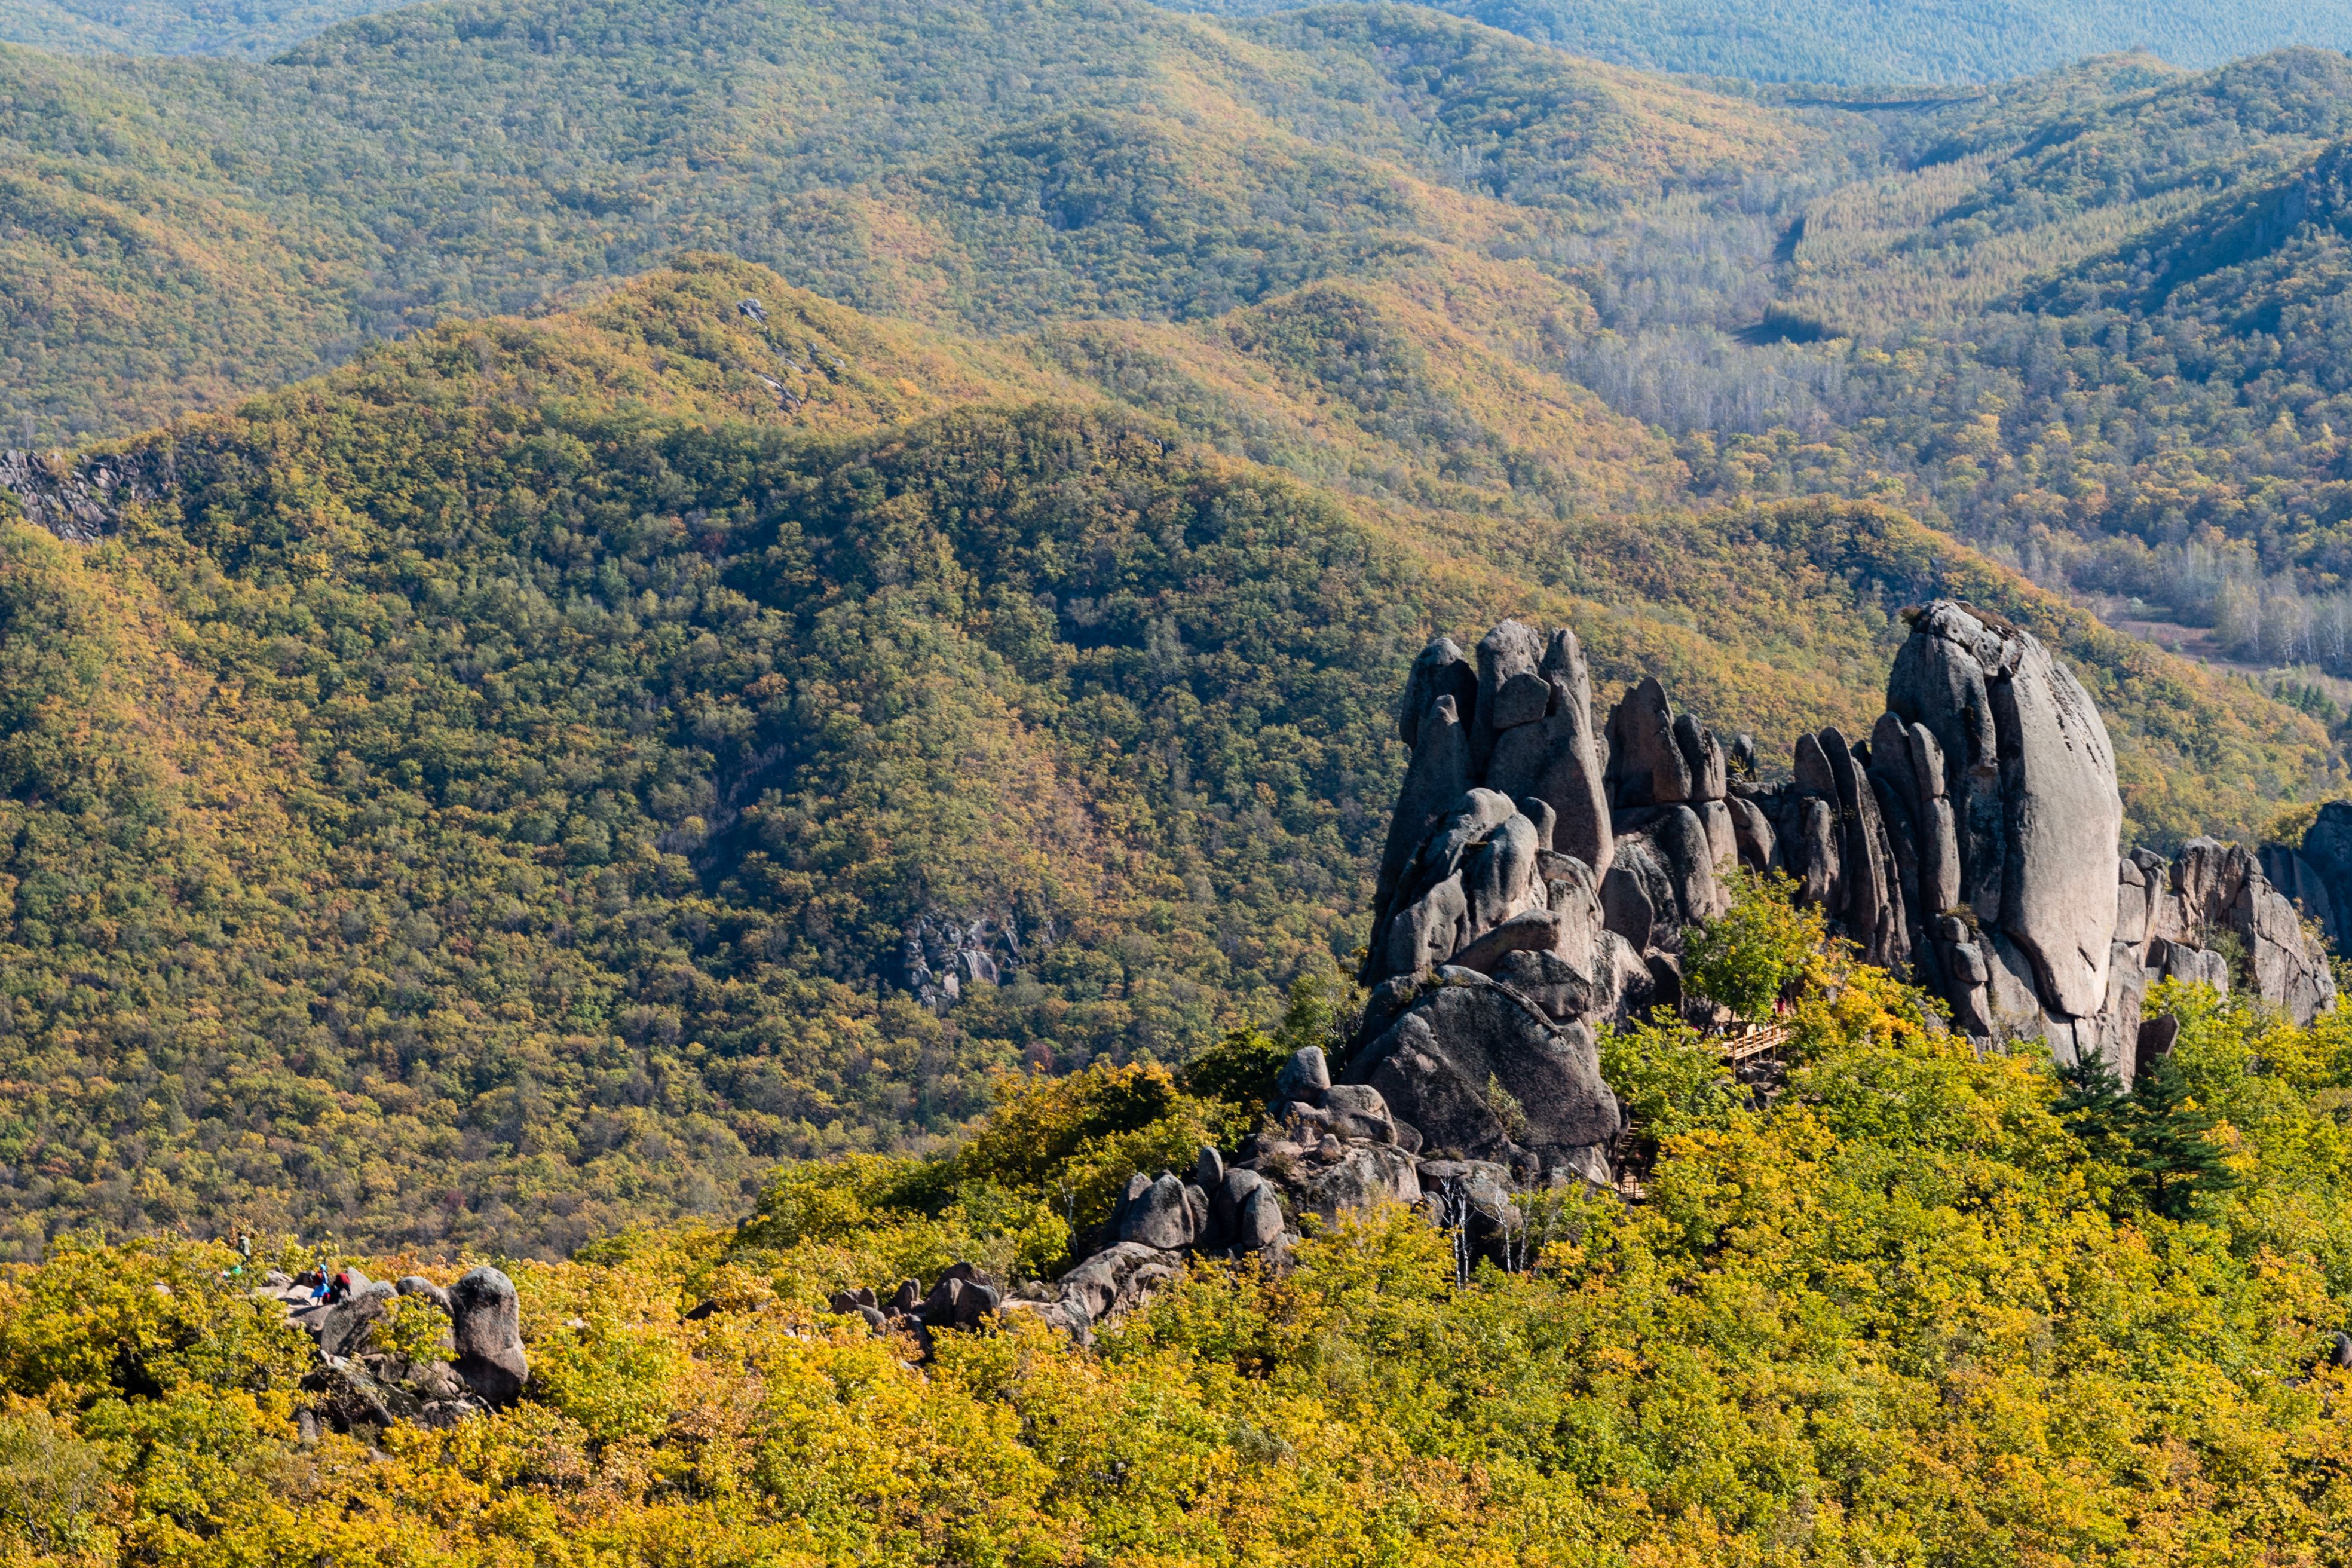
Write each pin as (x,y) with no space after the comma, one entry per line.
(663,665)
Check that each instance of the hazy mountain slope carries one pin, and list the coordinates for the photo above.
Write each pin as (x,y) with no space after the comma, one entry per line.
(1879,41)
(993,165)
(485,800)
(246,28)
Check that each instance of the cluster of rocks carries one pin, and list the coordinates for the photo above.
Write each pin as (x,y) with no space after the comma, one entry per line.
(2171,915)
(1323,1148)
(359,1384)
(1968,843)
(1540,870)
(83,501)
(941,956)
(964,1298)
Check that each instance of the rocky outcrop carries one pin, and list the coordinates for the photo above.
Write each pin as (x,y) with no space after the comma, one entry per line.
(941,956)
(358,1384)
(1324,1150)
(2178,919)
(83,500)
(1523,881)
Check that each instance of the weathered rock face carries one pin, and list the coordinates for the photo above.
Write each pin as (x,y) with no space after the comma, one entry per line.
(2030,819)
(2315,876)
(1482,1073)
(489,1330)
(85,500)
(2169,918)
(357,1384)
(1492,949)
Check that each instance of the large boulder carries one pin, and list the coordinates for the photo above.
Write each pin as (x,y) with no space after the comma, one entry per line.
(487,1325)
(1646,765)
(344,1328)
(1113,1283)
(2031,773)
(1482,1072)
(1364,1178)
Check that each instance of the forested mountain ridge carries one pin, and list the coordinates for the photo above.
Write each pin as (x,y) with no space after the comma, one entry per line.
(486,798)
(1862,42)
(993,165)
(251,28)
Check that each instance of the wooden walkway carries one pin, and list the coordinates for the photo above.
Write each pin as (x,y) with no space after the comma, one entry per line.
(1750,1044)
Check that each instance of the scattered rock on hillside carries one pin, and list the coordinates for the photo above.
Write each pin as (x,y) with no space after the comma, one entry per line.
(488,1328)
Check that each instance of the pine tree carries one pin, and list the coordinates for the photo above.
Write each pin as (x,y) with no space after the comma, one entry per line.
(2175,1162)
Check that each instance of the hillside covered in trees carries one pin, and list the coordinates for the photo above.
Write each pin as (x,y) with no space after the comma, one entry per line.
(486,800)
(1924,1306)
(2080,318)
(1855,42)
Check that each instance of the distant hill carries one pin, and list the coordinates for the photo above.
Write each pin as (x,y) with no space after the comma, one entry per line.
(250,28)
(1884,41)
(174,233)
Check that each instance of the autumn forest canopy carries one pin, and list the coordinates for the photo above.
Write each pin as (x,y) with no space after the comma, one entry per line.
(716,656)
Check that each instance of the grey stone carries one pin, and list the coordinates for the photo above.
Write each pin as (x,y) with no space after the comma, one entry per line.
(1751,832)
(1441,671)
(1703,757)
(1209,1168)
(1722,839)
(2115,1033)
(1512,690)
(2131,906)
(1811,765)
(1939,844)
(1822,880)
(1628,904)
(417,1285)
(1196,1207)
(2014,1007)
(1873,911)
(1303,1077)
(1433,1067)
(1364,1178)
(1158,1217)
(487,1322)
(2287,972)
(1438,776)
(1689,857)
(1939,682)
(1563,662)
(1557,763)
(1500,879)
(351,1399)
(1468,823)
(1357,1112)
(1259,1221)
(1543,818)
(2171,960)
(344,1328)
(1645,766)
(2326,850)
(2048,812)
(1117,1280)
(1561,989)
(1427,933)
(1537,931)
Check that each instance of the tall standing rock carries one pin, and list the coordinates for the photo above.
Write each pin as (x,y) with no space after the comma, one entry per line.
(1646,766)
(487,1329)
(2031,776)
